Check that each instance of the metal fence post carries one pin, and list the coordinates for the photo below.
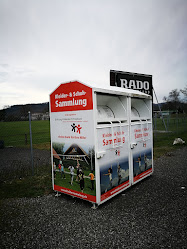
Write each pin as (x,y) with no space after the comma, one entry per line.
(32,164)
(25,139)
(155,125)
(160,110)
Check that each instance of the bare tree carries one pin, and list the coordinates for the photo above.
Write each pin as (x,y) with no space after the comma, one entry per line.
(173,100)
(174,96)
(184,91)
(24,109)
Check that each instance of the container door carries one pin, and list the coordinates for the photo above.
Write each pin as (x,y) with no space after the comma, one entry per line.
(141,150)
(112,159)
(141,139)
(72,140)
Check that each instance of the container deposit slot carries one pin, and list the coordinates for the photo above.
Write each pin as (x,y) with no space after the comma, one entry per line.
(111,108)
(111,116)
(140,112)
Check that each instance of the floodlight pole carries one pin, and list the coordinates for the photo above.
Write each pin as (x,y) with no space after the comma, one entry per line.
(159,108)
(32,164)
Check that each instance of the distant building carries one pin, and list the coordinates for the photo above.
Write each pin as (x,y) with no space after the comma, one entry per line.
(40,116)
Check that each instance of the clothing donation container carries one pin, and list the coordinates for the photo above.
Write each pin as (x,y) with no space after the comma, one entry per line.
(101,140)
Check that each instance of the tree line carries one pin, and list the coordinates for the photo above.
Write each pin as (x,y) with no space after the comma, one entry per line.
(175,102)
(20,112)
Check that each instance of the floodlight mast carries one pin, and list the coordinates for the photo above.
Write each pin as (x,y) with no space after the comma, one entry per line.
(159,109)
(32,163)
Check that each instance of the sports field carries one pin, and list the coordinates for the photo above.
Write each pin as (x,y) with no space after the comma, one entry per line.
(17,133)
(165,132)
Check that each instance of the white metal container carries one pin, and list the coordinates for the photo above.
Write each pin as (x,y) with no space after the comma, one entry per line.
(102,132)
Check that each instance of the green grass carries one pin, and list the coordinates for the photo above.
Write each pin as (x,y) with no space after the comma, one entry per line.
(163,141)
(174,124)
(17,134)
(31,186)
(40,184)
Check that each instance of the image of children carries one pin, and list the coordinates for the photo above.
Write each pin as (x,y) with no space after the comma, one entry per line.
(59,167)
(91,175)
(78,168)
(71,168)
(109,174)
(119,171)
(54,170)
(62,172)
(146,160)
(139,163)
(81,177)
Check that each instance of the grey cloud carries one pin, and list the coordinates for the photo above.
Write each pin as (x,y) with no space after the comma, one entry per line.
(24,72)
(3,65)
(85,39)
(3,76)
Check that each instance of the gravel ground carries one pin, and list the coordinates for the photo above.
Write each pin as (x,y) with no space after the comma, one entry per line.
(151,214)
(8,156)
(17,162)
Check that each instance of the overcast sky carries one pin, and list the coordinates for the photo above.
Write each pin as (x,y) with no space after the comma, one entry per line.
(46,42)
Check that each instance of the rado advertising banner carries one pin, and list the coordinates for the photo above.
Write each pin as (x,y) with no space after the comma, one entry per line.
(140,82)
